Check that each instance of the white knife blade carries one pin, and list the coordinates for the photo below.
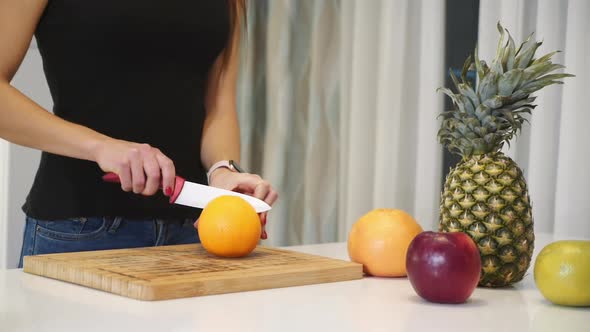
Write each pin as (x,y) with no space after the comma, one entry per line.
(199,195)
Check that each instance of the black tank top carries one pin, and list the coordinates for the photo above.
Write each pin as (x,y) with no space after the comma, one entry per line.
(134,70)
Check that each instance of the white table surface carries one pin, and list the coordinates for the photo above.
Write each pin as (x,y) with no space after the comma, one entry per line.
(32,303)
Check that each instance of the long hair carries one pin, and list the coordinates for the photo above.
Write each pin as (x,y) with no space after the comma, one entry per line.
(237,24)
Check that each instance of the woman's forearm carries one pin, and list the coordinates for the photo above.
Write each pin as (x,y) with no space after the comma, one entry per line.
(221,135)
(24,122)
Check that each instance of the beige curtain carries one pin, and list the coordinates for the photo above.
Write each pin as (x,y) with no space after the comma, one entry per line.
(554,149)
(338,109)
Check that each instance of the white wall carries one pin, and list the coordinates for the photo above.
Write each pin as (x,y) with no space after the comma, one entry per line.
(19,164)
(4,162)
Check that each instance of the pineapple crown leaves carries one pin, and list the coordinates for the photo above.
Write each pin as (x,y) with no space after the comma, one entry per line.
(487,116)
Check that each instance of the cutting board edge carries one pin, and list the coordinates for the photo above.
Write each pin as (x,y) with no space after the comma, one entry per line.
(163,291)
(82,277)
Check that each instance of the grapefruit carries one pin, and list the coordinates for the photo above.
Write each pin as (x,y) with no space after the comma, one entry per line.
(379,241)
(562,272)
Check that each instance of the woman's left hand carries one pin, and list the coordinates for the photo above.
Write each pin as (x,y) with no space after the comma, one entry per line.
(245,183)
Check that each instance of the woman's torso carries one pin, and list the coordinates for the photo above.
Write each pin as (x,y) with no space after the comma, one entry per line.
(134,70)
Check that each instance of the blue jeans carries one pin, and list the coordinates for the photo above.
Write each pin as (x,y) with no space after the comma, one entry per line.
(85,234)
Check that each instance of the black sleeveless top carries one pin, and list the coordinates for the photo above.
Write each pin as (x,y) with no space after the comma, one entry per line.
(134,70)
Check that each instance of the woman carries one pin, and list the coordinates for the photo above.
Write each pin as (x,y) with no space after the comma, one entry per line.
(142,88)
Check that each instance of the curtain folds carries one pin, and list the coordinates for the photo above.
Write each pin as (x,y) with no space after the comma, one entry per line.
(553,149)
(338,106)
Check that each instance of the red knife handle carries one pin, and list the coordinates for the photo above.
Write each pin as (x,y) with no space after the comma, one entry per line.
(178,184)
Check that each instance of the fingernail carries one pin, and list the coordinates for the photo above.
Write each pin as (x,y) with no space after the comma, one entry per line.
(168,191)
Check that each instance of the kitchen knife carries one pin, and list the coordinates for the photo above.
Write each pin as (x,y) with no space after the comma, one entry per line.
(197,195)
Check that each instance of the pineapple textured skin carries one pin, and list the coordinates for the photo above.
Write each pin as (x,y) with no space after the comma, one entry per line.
(486,196)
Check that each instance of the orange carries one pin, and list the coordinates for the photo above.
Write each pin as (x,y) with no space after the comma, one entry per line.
(380,239)
(229,227)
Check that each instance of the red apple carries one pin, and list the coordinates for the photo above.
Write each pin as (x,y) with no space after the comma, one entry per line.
(443,267)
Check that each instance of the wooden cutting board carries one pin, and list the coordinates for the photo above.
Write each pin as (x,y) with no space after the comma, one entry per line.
(168,272)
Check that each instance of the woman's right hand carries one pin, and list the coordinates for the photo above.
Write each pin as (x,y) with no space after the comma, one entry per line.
(140,167)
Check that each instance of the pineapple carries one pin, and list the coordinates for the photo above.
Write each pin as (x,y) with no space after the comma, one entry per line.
(485,195)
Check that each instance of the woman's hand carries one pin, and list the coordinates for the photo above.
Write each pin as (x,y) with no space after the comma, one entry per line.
(249,184)
(140,167)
